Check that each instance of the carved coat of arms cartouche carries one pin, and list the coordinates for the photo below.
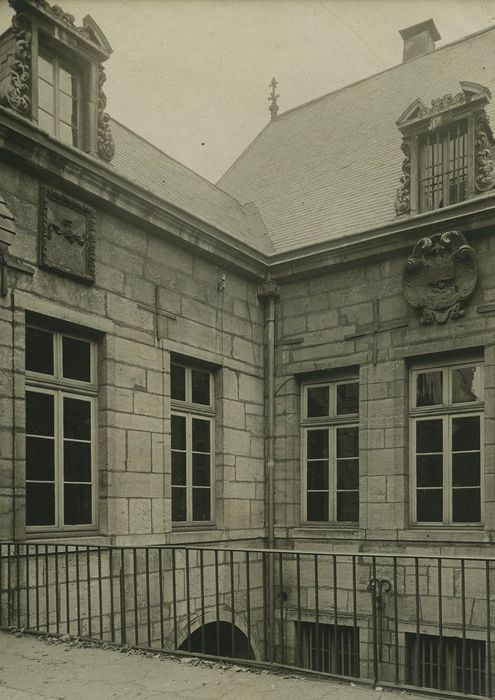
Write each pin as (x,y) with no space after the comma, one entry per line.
(440,276)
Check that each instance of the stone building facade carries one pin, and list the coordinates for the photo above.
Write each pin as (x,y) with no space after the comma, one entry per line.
(302,356)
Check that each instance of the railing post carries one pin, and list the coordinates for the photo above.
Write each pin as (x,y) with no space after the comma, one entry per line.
(377,587)
(123,624)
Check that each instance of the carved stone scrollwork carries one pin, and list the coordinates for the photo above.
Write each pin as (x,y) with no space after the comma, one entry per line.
(403,194)
(106,146)
(65,230)
(440,277)
(67,235)
(485,164)
(64,17)
(15,89)
(441,104)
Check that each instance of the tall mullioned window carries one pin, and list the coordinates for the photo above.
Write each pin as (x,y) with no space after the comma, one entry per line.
(330,442)
(59,99)
(192,450)
(60,430)
(443,166)
(447,439)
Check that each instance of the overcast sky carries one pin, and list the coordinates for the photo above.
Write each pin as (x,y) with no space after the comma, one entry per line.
(192,76)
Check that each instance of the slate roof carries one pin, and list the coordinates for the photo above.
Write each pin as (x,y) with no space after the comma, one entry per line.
(330,168)
(148,167)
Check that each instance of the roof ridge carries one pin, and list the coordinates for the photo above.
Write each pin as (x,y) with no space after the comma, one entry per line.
(183,165)
(374,75)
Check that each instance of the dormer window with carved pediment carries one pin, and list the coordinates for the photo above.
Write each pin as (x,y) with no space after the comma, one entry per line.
(449,151)
(51,72)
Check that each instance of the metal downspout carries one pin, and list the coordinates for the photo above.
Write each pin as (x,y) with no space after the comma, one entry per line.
(269,293)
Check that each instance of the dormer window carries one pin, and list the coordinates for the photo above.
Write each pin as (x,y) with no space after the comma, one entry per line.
(51,71)
(59,93)
(448,149)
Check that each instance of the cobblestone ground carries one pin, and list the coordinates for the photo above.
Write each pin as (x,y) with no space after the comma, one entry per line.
(31,668)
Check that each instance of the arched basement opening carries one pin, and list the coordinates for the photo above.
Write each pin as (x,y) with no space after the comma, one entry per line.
(215,639)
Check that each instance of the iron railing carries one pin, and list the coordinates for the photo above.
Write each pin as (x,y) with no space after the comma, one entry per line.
(405,620)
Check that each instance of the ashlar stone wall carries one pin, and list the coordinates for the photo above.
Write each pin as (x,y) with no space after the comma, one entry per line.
(138,271)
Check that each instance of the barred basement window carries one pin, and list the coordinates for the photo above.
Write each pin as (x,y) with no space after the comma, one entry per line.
(60,431)
(446,663)
(447,439)
(443,166)
(192,432)
(329,648)
(330,441)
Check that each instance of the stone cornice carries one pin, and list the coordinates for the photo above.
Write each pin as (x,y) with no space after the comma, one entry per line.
(22,144)
(100,185)
(382,242)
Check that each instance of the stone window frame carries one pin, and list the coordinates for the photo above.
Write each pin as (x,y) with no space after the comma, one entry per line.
(190,410)
(59,61)
(60,387)
(446,411)
(331,423)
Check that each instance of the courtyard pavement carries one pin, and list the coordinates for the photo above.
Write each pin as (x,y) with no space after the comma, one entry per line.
(32,667)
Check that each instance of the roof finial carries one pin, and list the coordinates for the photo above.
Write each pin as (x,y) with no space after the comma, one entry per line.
(273,99)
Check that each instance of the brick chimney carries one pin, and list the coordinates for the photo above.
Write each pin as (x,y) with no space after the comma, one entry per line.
(419,39)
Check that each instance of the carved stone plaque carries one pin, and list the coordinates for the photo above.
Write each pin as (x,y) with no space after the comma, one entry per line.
(67,235)
(440,276)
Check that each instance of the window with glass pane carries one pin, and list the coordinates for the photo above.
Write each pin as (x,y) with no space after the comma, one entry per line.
(443,166)
(331,452)
(60,431)
(447,444)
(192,424)
(58,99)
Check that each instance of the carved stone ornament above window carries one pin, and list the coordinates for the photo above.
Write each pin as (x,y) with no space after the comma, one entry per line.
(15,88)
(471,93)
(65,17)
(89,32)
(440,277)
(67,235)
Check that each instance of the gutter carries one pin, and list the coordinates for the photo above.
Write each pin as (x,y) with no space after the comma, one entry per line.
(269,293)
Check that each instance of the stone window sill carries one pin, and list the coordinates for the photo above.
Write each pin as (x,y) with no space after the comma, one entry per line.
(312,532)
(446,534)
